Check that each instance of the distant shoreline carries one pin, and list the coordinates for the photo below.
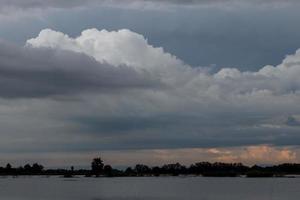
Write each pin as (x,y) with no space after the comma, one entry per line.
(204,169)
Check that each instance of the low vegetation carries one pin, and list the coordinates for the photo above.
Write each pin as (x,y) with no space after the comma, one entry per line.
(99,169)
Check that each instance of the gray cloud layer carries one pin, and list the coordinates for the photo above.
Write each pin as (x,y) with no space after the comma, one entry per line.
(28,72)
(119,105)
(195,108)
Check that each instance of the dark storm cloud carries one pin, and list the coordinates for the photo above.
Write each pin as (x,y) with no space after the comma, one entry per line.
(182,131)
(28,72)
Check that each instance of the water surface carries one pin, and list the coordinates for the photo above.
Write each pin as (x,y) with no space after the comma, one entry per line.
(162,188)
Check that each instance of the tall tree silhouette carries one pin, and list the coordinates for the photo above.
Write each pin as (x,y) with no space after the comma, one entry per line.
(97,166)
(8,168)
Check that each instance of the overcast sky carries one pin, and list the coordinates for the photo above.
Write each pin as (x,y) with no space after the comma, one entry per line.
(149,81)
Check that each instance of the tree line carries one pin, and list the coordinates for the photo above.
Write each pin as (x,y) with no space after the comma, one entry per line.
(218,169)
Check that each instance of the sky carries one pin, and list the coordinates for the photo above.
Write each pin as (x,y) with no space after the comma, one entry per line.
(149,81)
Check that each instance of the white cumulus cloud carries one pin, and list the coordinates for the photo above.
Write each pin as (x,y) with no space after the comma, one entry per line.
(125,47)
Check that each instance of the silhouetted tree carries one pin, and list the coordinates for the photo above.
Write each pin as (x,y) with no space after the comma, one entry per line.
(130,172)
(174,169)
(8,166)
(156,171)
(142,170)
(108,170)
(37,168)
(97,166)
(8,169)
(27,169)
(72,169)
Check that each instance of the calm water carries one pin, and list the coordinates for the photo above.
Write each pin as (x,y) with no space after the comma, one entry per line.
(175,188)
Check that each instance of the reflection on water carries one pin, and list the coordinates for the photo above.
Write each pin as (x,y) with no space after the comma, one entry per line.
(164,188)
